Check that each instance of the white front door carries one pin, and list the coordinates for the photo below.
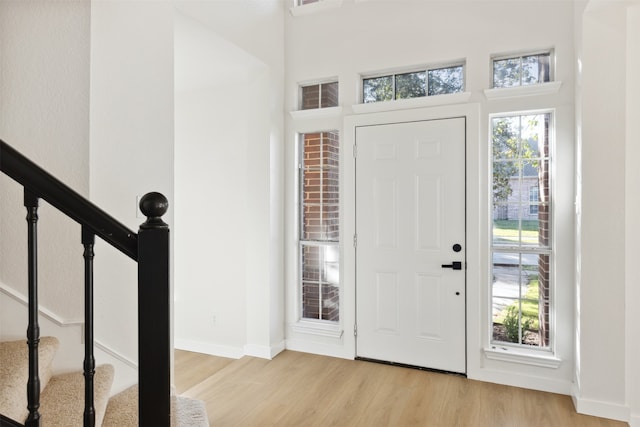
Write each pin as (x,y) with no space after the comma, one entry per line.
(410,227)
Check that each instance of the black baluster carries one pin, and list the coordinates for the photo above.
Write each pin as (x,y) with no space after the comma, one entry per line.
(33,329)
(154,352)
(88,241)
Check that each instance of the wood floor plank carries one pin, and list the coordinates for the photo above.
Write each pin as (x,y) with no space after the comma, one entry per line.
(299,389)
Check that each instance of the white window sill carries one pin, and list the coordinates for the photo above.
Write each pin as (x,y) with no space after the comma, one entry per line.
(325,329)
(402,104)
(308,9)
(316,113)
(519,91)
(516,355)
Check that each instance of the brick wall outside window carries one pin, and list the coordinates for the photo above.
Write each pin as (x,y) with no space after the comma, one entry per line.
(323,95)
(319,228)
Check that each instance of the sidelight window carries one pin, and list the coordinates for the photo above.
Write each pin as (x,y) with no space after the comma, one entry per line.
(521,244)
(319,225)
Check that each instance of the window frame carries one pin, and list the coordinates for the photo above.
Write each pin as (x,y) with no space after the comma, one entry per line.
(520,56)
(302,242)
(544,355)
(320,84)
(409,70)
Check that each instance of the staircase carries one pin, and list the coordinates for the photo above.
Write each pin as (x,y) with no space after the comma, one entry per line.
(62,398)
(150,404)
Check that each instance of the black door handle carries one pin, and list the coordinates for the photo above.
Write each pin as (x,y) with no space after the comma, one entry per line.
(456,265)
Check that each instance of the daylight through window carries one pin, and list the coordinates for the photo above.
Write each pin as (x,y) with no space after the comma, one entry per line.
(428,82)
(522,70)
(521,230)
(319,225)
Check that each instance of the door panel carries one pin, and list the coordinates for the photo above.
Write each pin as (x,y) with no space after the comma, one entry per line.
(410,211)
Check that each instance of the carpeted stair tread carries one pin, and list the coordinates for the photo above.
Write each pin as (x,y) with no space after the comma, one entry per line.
(14,374)
(62,402)
(122,411)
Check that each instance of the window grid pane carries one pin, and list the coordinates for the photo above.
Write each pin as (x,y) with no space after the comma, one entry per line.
(377,89)
(411,85)
(319,225)
(521,232)
(320,281)
(329,96)
(322,95)
(446,80)
(522,70)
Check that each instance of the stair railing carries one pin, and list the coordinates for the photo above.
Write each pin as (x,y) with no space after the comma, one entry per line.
(149,248)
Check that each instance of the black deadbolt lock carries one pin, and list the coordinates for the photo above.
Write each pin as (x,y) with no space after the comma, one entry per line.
(457,248)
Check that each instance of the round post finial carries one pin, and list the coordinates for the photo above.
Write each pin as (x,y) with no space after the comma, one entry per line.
(153,205)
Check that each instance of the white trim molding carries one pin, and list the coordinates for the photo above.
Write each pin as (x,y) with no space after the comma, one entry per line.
(57,320)
(420,102)
(317,328)
(516,355)
(597,408)
(315,113)
(520,91)
(263,351)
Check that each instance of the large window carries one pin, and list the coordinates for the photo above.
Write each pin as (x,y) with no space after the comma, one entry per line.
(521,230)
(420,83)
(319,225)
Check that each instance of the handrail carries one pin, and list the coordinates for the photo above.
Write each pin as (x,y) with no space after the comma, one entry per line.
(56,193)
(149,248)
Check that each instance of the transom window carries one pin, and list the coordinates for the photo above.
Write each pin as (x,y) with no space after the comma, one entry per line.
(428,82)
(522,70)
(319,168)
(521,230)
(320,95)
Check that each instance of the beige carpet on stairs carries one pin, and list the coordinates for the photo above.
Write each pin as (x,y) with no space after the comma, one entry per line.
(122,411)
(14,374)
(62,401)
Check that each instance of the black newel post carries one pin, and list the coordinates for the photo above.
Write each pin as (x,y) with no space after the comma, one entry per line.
(33,329)
(154,352)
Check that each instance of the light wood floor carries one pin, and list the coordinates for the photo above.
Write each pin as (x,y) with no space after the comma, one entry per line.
(298,389)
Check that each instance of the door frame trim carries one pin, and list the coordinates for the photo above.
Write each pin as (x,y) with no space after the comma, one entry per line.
(476,306)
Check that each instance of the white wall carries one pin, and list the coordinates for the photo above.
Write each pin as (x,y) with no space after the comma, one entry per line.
(228,154)
(131,144)
(369,36)
(632,211)
(601,315)
(44,113)
(632,208)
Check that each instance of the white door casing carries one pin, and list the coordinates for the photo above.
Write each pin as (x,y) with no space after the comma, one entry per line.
(410,212)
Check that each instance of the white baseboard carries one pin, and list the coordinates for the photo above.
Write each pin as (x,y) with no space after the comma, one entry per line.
(208,348)
(634,421)
(263,351)
(610,410)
